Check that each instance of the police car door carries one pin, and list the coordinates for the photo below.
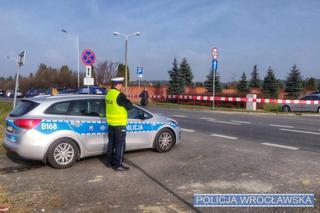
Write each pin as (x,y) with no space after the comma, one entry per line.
(139,134)
(93,126)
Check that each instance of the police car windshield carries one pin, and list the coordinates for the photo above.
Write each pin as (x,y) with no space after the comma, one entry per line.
(23,107)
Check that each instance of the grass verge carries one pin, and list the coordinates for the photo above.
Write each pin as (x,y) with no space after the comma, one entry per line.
(5,108)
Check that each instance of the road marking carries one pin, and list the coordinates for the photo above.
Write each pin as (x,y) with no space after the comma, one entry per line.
(301,131)
(179,116)
(225,136)
(187,130)
(206,118)
(241,122)
(224,122)
(279,125)
(281,146)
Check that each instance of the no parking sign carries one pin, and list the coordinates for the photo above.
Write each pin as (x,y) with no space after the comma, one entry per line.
(88,57)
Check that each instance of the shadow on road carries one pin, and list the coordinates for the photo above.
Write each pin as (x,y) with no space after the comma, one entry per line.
(23,164)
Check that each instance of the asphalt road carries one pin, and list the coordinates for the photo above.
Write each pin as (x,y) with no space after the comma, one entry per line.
(296,132)
(220,153)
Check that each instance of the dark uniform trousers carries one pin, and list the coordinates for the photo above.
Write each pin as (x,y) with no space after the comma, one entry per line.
(116,145)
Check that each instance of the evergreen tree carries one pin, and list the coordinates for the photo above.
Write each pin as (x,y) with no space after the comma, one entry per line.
(208,83)
(294,83)
(174,86)
(270,85)
(281,84)
(243,84)
(121,71)
(185,74)
(310,84)
(255,82)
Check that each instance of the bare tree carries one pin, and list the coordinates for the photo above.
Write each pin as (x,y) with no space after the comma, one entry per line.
(105,71)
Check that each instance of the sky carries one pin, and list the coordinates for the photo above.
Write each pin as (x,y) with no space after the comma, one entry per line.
(246,32)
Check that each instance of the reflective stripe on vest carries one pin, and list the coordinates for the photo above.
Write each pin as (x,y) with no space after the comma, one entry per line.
(116,115)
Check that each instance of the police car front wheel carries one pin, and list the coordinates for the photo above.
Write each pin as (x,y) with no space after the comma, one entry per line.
(165,140)
(63,153)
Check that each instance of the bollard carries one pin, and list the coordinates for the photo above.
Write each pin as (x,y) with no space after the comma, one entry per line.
(251,105)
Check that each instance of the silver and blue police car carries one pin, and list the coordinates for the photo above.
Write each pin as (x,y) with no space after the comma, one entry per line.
(62,129)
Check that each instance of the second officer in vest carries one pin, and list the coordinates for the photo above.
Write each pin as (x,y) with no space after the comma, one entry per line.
(117,106)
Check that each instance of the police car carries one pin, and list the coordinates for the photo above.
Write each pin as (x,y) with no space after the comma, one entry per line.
(62,129)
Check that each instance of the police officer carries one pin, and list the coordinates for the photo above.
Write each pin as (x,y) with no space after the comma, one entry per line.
(117,106)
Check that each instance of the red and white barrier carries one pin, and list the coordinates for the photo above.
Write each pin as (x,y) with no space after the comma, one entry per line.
(231,99)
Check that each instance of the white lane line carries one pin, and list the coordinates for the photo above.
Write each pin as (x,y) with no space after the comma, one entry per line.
(206,118)
(281,126)
(224,122)
(187,130)
(281,146)
(225,136)
(301,131)
(179,116)
(241,122)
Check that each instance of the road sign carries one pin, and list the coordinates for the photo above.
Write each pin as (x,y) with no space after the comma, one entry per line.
(88,81)
(214,53)
(22,58)
(88,71)
(214,65)
(88,57)
(140,72)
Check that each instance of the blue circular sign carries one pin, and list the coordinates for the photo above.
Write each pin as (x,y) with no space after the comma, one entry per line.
(88,57)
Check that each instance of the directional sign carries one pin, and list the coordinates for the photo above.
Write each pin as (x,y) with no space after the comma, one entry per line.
(214,65)
(22,58)
(88,71)
(140,72)
(88,57)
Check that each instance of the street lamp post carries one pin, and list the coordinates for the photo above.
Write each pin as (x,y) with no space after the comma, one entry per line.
(126,55)
(17,81)
(20,61)
(78,52)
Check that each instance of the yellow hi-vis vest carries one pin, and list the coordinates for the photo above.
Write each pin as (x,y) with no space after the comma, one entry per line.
(116,115)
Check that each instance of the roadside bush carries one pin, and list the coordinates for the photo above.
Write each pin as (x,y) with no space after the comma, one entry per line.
(272,107)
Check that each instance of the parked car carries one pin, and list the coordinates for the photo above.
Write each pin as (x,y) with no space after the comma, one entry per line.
(2,92)
(10,94)
(315,93)
(67,91)
(304,107)
(62,129)
(35,92)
